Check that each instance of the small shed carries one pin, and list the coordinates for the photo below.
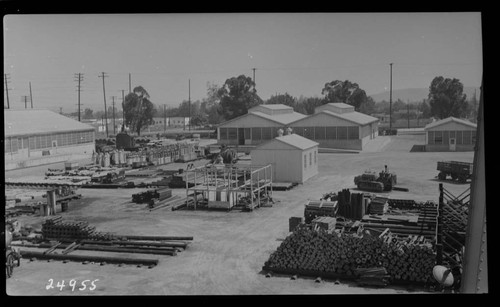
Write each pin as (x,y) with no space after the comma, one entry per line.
(293,158)
(450,134)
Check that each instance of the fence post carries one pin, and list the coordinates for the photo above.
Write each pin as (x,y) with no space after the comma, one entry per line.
(439,239)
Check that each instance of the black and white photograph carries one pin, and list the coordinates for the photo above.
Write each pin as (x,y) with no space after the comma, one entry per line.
(244,154)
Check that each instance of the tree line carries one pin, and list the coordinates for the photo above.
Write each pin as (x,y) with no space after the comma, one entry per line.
(238,94)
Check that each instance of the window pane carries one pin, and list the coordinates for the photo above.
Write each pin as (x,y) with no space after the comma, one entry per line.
(298,131)
(459,138)
(315,157)
(467,138)
(310,158)
(446,137)
(331,133)
(353,133)
(32,142)
(319,133)
(430,137)
(223,133)
(453,135)
(248,136)
(13,145)
(256,134)
(438,137)
(473,137)
(7,145)
(37,142)
(305,161)
(309,132)
(342,133)
(266,133)
(232,133)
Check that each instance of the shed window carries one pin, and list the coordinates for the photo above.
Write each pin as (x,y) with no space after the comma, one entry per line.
(473,137)
(13,145)
(32,142)
(247,134)
(267,133)
(305,161)
(310,159)
(232,133)
(459,138)
(319,133)
(7,146)
(467,138)
(223,133)
(331,133)
(37,142)
(352,133)
(438,137)
(315,157)
(430,137)
(453,135)
(256,134)
(342,133)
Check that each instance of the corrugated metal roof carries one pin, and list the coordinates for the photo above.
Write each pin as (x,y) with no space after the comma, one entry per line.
(37,121)
(354,117)
(296,141)
(284,119)
(448,120)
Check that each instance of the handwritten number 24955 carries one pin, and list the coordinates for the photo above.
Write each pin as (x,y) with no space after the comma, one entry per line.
(73,284)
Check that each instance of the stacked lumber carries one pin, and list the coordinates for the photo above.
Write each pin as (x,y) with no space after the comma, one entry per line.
(324,222)
(341,253)
(314,209)
(379,205)
(409,204)
(57,228)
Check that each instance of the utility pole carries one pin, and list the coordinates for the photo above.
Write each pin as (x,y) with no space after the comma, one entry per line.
(31,97)
(189,100)
(79,79)
(7,89)
(25,98)
(390,104)
(123,110)
(103,75)
(164,118)
(254,76)
(130,83)
(114,123)
(408,111)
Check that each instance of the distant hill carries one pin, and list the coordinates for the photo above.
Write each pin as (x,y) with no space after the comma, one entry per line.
(417,94)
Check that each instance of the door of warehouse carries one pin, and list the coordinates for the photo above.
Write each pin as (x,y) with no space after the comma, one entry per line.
(453,145)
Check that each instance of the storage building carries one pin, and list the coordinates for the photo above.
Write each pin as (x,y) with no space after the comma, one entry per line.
(259,125)
(35,137)
(337,125)
(293,158)
(450,134)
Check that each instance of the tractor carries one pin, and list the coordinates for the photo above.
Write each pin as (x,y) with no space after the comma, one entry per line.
(229,155)
(369,181)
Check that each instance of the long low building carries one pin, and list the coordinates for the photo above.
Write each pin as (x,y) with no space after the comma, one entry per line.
(450,134)
(35,137)
(333,125)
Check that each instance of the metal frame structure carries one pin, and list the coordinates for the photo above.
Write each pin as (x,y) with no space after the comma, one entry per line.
(229,182)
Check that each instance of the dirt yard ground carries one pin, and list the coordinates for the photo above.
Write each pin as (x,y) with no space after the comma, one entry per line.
(229,248)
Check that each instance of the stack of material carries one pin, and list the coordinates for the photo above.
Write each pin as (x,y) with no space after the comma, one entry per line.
(56,228)
(314,209)
(324,222)
(162,182)
(147,196)
(293,222)
(379,205)
(162,194)
(352,205)
(373,276)
(409,204)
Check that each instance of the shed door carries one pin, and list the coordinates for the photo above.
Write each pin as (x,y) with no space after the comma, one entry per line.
(452,144)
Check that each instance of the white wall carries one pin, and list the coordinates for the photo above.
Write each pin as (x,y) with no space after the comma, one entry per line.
(311,169)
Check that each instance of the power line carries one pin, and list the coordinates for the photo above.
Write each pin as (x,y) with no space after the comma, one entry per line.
(103,76)
(390,104)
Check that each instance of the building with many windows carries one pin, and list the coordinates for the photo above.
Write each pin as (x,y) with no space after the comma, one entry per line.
(35,137)
(450,134)
(333,125)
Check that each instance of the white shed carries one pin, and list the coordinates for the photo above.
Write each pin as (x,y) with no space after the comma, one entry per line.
(293,158)
(450,134)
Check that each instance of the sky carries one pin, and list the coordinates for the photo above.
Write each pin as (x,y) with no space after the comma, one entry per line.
(175,56)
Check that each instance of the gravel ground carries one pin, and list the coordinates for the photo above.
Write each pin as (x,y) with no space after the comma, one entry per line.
(229,248)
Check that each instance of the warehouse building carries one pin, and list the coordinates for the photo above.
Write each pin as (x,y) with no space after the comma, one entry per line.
(450,134)
(259,125)
(337,125)
(293,158)
(35,137)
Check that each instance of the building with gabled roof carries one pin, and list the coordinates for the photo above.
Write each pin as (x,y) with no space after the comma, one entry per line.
(36,136)
(293,158)
(450,134)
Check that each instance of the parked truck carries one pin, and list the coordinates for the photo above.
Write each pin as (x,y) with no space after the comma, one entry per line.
(460,171)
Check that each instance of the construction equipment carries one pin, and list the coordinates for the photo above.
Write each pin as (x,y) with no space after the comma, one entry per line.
(460,171)
(114,176)
(229,155)
(369,181)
